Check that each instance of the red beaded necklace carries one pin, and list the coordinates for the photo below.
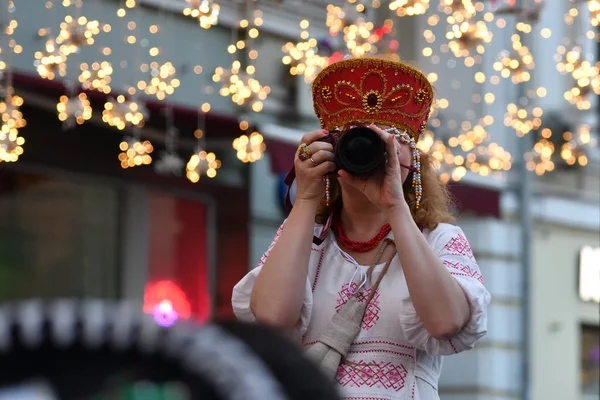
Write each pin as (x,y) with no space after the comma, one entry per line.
(359,247)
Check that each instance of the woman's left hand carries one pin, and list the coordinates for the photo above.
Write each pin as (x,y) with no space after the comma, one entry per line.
(386,193)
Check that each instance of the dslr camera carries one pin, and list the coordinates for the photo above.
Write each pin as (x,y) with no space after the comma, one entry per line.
(358,151)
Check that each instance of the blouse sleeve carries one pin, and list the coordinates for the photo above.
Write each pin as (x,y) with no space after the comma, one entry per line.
(452,247)
(242,291)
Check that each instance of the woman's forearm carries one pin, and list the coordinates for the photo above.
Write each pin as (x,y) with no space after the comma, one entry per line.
(438,299)
(278,293)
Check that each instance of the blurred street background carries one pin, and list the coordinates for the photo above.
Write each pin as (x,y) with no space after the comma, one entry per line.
(144,143)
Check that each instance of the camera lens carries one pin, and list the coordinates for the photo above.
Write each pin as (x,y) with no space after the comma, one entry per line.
(360,151)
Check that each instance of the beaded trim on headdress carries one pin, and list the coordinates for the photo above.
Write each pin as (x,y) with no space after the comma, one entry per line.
(405,138)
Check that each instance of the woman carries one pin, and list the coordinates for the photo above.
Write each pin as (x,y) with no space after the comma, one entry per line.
(382,243)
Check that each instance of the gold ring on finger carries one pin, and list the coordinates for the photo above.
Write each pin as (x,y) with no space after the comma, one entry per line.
(304,152)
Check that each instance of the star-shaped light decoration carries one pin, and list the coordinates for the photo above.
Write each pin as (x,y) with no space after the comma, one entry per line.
(11,144)
(121,113)
(74,111)
(449,166)
(162,82)
(515,64)
(135,153)
(241,86)
(488,158)
(205,11)
(539,159)
(575,150)
(76,33)
(303,57)
(50,62)
(586,76)
(201,164)
(409,7)
(465,8)
(360,38)
(249,148)
(523,119)
(97,77)
(466,36)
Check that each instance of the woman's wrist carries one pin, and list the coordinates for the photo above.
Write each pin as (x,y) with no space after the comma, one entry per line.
(399,211)
(306,205)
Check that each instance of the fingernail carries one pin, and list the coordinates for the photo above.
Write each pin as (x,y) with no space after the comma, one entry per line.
(325,131)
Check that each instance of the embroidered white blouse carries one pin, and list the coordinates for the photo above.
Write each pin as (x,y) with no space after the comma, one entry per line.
(393,357)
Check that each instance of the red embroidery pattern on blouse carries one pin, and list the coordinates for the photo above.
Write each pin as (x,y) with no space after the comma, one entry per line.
(318,269)
(379,375)
(264,257)
(366,398)
(459,246)
(371,313)
(459,269)
(369,342)
(452,345)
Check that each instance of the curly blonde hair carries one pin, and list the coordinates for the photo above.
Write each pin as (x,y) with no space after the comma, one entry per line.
(435,203)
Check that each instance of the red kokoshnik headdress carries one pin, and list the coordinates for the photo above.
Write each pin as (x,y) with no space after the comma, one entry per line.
(370,90)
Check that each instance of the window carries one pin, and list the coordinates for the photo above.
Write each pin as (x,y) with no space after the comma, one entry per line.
(58,237)
(590,362)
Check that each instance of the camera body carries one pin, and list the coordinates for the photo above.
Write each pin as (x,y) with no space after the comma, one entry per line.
(358,151)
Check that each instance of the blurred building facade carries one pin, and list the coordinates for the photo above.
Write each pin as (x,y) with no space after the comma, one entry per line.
(89,228)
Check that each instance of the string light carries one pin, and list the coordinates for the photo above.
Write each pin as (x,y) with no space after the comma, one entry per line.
(522,120)
(488,158)
(465,36)
(74,110)
(515,64)
(135,153)
(360,38)
(121,113)
(202,163)
(241,86)
(76,33)
(335,19)
(463,8)
(574,151)
(98,77)
(249,148)
(409,7)
(205,11)
(469,139)
(162,82)
(50,62)
(539,159)
(303,57)
(586,76)
(449,167)
(11,144)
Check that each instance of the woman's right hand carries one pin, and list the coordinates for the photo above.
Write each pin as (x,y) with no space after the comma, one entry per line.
(310,173)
